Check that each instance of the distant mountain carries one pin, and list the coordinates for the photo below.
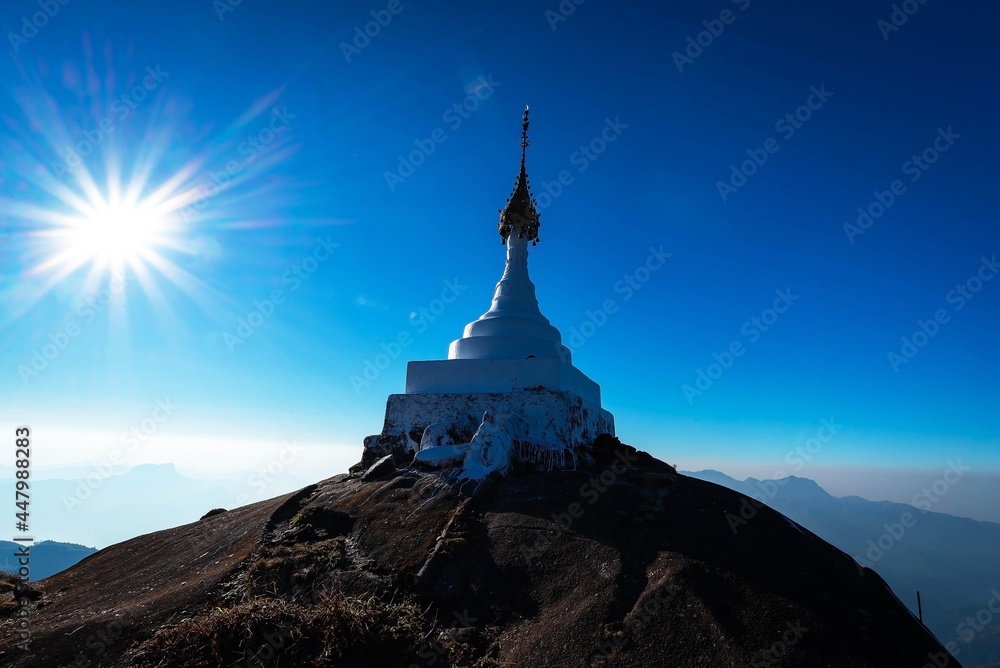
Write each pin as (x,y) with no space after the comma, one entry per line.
(953,561)
(101,508)
(46,558)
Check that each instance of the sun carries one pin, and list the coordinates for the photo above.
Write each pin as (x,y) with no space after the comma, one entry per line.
(110,233)
(122,228)
(139,205)
(115,234)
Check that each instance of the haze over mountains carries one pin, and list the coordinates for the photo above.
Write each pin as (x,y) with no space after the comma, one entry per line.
(86,508)
(953,561)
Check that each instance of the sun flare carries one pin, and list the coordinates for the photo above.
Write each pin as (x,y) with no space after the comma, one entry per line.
(140,207)
(115,234)
(124,228)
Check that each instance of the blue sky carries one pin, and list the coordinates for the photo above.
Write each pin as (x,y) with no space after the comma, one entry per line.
(302,120)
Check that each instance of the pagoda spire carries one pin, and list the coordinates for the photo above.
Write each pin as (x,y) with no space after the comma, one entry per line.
(520,215)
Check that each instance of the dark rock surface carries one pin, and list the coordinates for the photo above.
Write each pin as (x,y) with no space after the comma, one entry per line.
(379,469)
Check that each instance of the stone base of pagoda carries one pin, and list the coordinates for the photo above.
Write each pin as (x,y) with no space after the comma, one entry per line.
(549,427)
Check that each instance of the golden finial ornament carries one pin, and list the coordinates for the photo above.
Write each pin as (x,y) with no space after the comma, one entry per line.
(521,215)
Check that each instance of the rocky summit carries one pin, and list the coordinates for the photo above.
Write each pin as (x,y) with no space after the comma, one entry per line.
(621,562)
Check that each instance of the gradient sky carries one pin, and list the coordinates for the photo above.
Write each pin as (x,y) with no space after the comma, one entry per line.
(311,127)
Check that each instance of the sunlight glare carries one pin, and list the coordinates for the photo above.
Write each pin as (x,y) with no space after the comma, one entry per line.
(114,233)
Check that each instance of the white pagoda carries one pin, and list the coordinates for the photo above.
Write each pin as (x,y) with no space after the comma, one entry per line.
(508,389)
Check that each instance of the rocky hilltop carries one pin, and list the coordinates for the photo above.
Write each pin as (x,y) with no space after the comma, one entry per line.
(622,562)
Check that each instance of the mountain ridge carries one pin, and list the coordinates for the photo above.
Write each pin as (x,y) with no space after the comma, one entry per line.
(952,560)
(517,570)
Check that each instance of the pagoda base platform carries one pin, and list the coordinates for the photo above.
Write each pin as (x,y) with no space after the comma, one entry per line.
(534,421)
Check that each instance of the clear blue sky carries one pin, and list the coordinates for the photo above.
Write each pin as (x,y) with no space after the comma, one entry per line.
(171,93)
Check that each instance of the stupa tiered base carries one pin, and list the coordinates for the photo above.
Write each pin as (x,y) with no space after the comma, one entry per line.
(500,376)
